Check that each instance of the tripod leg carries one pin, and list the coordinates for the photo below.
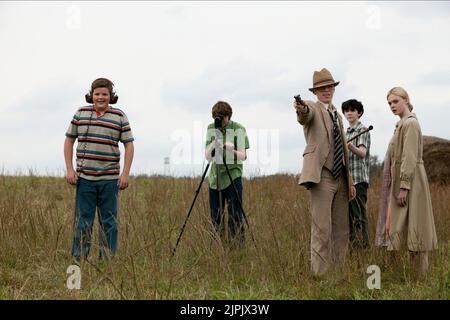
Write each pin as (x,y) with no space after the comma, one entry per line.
(190,209)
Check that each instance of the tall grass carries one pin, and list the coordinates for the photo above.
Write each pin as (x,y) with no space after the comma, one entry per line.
(36,221)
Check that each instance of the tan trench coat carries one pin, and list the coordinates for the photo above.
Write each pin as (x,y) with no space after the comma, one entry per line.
(408,172)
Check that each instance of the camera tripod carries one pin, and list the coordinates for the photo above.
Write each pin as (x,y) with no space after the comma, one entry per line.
(220,198)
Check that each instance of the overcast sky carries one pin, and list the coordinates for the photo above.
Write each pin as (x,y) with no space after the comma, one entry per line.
(171,61)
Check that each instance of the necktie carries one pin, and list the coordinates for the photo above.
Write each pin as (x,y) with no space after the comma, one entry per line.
(338,148)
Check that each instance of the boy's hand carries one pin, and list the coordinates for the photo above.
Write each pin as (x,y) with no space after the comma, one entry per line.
(352,194)
(229,146)
(123,181)
(352,147)
(71,177)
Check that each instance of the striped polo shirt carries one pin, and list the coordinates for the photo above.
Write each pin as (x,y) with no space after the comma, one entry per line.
(98,154)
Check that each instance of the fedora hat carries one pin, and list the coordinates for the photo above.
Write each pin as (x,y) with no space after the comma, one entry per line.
(322,78)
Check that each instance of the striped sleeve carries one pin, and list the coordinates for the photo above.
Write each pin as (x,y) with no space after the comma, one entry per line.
(72,131)
(125,133)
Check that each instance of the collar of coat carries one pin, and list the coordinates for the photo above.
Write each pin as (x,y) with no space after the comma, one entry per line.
(411,115)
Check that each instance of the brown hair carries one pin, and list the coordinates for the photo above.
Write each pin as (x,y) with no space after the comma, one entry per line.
(399,91)
(223,108)
(103,83)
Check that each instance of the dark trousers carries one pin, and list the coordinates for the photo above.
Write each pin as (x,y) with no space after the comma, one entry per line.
(90,196)
(235,214)
(359,231)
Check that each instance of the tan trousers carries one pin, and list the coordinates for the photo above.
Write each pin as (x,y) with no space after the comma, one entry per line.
(329,221)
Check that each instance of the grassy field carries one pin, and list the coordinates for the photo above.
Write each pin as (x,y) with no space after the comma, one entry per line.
(36,218)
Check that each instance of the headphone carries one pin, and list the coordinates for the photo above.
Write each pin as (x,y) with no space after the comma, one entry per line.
(113,96)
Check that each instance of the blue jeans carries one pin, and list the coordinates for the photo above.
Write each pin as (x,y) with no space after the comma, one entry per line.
(235,214)
(91,195)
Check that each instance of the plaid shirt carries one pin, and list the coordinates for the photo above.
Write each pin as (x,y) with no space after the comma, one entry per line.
(359,168)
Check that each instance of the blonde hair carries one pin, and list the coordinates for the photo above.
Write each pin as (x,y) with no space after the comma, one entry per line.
(399,91)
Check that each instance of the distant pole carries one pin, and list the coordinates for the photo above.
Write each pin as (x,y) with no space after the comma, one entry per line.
(166,166)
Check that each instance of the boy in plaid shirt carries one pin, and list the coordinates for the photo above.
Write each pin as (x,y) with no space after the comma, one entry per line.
(359,169)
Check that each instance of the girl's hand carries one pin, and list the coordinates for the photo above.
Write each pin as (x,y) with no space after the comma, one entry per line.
(402,197)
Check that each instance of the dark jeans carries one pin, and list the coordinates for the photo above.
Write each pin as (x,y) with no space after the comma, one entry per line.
(359,231)
(90,196)
(235,215)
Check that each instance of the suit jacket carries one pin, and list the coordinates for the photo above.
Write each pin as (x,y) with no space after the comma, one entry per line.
(319,137)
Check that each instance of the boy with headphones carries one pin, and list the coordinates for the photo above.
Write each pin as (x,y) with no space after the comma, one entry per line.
(98,128)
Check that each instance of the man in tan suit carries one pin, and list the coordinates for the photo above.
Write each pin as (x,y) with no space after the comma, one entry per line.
(325,173)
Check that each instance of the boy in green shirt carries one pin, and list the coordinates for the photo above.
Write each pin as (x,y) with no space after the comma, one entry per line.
(232,138)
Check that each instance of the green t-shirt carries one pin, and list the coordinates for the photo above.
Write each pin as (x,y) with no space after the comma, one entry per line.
(235,133)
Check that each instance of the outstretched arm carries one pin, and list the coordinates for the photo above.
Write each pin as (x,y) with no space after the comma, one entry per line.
(304,112)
